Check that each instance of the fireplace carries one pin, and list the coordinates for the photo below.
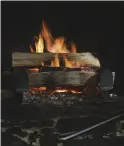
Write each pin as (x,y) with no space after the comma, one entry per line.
(55,69)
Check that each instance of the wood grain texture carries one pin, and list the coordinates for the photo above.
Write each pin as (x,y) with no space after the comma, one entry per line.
(72,78)
(35,59)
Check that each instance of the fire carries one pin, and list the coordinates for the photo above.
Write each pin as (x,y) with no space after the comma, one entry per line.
(68,63)
(73,48)
(40,89)
(52,45)
(45,40)
(39,45)
(60,90)
(55,61)
(67,90)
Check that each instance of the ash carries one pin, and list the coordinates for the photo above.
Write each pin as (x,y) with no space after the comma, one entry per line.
(56,98)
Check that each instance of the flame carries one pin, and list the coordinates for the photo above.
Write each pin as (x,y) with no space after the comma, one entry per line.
(47,37)
(45,40)
(73,48)
(31,48)
(67,62)
(39,45)
(56,45)
(55,61)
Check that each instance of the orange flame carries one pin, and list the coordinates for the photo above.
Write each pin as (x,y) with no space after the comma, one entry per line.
(46,41)
(39,45)
(73,48)
(55,61)
(31,49)
(67,62)
(58,45)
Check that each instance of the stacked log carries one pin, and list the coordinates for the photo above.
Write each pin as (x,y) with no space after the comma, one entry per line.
(72,78)
(55,76)
(35,59)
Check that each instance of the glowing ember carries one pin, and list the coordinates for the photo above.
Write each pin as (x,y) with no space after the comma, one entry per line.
(38,89)
(34,70)
(60,90)
(66,90)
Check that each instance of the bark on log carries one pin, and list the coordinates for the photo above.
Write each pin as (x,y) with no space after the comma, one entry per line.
(21,79)
(72,78)
(35,59)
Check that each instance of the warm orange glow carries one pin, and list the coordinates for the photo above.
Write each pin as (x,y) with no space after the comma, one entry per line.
(31,49)
(67,62)
(45,40)
(34,70)
(73,48)
(41,89)
(39,45)
(37,89)
(52,45)
(47,37)
(55,61)
(66,90)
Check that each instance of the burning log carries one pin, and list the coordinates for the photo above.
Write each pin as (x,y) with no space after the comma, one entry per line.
(72,78)
(36,59)
(61,66)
